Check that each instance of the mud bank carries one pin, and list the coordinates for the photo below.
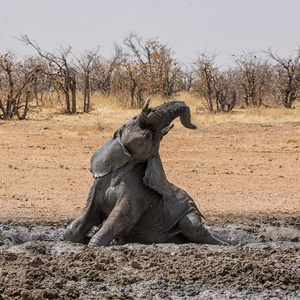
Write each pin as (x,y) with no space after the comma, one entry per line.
(263,261)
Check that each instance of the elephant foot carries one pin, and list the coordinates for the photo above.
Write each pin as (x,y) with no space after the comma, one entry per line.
(72,234)
(192,228)
(208,238)
(73,237)
(101,238)
(94,242)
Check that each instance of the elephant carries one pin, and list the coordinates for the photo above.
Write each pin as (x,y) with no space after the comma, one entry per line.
(131,199)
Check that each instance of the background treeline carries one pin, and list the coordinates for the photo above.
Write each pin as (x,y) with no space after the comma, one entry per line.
(140,68)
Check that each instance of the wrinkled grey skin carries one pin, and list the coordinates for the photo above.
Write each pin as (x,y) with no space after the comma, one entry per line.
(131,198)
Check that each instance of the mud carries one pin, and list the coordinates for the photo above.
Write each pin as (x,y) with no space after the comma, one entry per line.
(262,261)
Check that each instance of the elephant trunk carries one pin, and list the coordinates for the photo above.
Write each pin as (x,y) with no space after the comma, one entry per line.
(162,116)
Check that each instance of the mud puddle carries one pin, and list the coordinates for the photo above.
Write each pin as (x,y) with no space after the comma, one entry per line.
(17,238)
(262,262)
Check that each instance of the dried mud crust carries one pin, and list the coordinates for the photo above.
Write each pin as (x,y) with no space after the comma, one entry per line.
(135,274)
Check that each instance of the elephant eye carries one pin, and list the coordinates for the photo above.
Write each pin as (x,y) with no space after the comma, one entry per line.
(149,134)
(119,132)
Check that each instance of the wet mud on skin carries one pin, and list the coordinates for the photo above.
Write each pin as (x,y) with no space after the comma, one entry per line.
(262,262)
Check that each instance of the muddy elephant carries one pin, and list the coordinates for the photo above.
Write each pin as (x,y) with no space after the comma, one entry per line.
(131,198)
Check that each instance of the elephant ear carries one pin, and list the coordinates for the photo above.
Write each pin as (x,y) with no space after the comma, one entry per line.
(109,157)
(156,179)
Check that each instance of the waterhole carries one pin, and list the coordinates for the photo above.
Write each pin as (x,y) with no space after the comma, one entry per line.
(261,262)
(38,239)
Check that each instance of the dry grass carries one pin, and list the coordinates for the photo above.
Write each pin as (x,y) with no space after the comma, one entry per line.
(251,115)
(107,113)
(99,101)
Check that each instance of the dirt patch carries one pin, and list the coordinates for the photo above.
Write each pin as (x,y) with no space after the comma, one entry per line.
(130,274)
(230,169)
(244,178)
(37,264)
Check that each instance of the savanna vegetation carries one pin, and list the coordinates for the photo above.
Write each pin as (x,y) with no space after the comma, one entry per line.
(140,68)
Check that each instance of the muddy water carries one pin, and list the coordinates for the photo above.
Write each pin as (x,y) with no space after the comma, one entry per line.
(262,261)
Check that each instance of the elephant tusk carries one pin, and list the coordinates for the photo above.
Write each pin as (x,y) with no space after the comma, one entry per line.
(143,114)
(167,129)
(146,105)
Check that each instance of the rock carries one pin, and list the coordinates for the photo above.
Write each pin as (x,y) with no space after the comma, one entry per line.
(36,262)
(135,264)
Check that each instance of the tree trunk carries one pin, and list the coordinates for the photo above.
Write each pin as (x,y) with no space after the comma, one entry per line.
(84,100)
(67,97)
(8,113)
(23,116)
(88,100)
(210,98)
(86,95)
(288,99)
(73,97)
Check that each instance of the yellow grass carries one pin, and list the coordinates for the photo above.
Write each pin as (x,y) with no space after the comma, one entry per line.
(108,112)
(99,101)
(251,115)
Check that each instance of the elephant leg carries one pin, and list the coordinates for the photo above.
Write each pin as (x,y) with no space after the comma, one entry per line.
(119,222)
(193,229)
(92,216)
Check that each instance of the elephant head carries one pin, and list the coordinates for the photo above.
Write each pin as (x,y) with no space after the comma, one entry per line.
(138,141)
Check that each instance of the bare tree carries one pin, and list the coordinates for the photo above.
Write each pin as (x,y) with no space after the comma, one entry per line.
(205,73)
(131,76)
(15,82)
(41,86)
(188,78)
(103,72)
(86,64)
(60,69)
(225,89)
(162,72)
(129,82)
(254,74)
(288,72)
(214,85)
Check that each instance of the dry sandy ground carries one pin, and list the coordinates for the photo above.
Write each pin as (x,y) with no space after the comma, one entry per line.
(237,171)
(229,168)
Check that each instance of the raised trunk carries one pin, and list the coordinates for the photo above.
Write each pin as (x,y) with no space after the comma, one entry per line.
(160,117)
